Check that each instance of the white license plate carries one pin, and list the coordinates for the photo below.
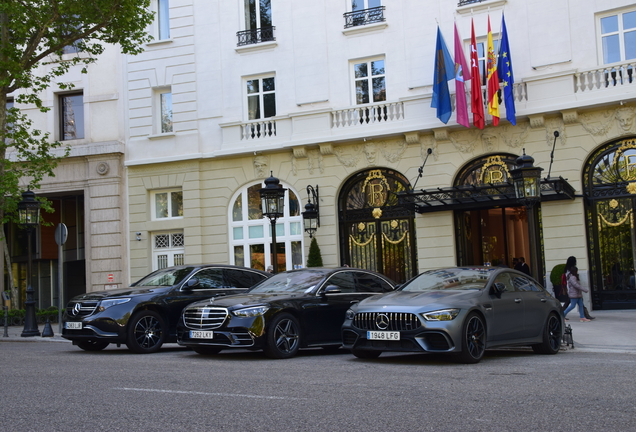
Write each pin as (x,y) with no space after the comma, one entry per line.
(73,325)
(195,334)
(383,335)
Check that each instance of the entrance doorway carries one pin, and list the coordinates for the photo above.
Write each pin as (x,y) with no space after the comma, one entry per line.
(376,233)
(492,236)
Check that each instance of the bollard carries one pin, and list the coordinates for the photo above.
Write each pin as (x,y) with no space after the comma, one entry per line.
(48,330)
(6,321)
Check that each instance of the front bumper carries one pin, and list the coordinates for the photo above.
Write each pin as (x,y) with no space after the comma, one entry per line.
(103,329)
(424,340)
(235,332)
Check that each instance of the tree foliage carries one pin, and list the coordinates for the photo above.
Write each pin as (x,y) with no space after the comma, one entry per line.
(33,36)
(314,259)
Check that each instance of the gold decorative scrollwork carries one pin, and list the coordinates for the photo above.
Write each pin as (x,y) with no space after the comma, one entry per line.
(377,213)
(618,223)
(378,192)
(628,171)
(385,237)
(494,164)
(360,244)
(631,188)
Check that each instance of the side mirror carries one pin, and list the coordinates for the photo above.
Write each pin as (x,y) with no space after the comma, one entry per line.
(193,282)
(498,288)
(332,289)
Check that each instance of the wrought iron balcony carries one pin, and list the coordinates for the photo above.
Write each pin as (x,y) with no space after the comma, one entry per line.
(254,36)
(467,2)
(364,17)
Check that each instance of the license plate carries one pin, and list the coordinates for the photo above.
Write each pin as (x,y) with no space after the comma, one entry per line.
(73,325)
(383,335)
(195,334)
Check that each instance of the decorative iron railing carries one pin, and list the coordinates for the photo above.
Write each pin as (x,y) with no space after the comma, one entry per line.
(247,37)
(467,2)
(383,112)
(258,129)
(604,77)
(364,17)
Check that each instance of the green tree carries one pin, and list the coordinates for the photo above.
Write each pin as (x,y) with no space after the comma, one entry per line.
(33,36)
(314,259)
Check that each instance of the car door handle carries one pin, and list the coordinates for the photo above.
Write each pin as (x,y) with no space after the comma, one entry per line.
(517,300)
(543,300)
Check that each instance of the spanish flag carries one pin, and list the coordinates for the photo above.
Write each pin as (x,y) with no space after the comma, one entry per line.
(493,80)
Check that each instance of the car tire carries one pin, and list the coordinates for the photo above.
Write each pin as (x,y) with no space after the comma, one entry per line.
(92,345)
(207,350)
(365,354)
(283,337)
(473,339)
(146,332)
(552,333)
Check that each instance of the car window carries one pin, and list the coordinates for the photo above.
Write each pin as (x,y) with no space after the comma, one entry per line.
(293,281)
(371,283)
(237,278)
(525,284)
(504,279)
(209,279)
(343,280)
(165,277)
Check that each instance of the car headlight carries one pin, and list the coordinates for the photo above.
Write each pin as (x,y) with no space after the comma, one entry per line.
(251,311)
(105,304)
(441,315)
(350,314)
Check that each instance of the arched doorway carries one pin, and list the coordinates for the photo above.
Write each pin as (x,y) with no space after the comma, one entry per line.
(493,230)
(376,233)
(609,179)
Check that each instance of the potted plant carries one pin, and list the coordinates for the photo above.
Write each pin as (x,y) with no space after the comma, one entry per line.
(314,259)
(555,278)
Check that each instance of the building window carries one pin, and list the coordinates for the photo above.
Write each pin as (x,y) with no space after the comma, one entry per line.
(482,56)
(164,103)
(167,204)
(618,36)
(369,81)
(261,98)
(168,250)
(71,116)
(163,19)
(258,23)
(250,232)
(364,12)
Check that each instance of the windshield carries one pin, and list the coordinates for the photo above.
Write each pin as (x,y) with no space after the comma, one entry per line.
(300,281)
(450,279)
(166,277)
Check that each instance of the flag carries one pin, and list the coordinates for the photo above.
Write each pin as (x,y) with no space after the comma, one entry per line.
(477,99)
(444,71)
(461,75)
(504,70)
(492,82)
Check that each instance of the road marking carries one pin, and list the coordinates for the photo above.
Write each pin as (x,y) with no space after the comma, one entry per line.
(208,394)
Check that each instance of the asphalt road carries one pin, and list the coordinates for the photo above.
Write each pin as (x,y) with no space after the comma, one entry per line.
(54,386)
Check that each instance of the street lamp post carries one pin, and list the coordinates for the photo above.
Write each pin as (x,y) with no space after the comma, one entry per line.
(29,217)
(273,203)
(526,179)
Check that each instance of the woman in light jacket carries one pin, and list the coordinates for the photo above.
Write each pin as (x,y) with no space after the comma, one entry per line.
(575,292)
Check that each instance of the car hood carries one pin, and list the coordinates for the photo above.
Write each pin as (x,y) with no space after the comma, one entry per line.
(243,300)
(122,292)
(444,298)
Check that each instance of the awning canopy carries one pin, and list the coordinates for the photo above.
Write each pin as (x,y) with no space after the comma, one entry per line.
(467,197)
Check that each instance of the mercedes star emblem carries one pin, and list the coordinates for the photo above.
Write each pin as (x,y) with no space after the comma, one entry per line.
(382,321)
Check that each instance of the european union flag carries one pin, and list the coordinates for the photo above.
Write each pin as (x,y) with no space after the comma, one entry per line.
(444,71)
(506,76)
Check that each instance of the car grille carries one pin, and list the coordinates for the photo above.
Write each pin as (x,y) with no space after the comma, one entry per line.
(85,308)
(397,321)
(204,317)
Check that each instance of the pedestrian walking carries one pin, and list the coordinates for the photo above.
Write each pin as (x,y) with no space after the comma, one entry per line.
(571,262)
(575,292)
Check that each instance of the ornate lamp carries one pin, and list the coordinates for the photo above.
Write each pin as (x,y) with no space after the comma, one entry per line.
(29,218)
(273,204)
(311,217)
(526,179)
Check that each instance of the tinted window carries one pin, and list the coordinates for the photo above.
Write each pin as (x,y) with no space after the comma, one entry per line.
(209,279)
(165,277)
(343,280)
(504,279)
(524,284)
(293,281)
(242,278)
(371,283)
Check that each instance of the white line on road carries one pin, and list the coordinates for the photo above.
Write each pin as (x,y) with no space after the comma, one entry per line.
(208,394)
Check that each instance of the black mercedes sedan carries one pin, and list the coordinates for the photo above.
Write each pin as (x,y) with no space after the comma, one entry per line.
(460,311)
(291,310)
(144,316)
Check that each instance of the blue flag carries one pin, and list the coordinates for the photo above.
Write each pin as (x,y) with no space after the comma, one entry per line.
(444,71)
(504,68)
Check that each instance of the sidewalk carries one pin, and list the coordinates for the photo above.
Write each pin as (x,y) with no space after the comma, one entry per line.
(611,331)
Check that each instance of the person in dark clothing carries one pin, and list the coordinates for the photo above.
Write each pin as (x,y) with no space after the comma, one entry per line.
(522,266)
